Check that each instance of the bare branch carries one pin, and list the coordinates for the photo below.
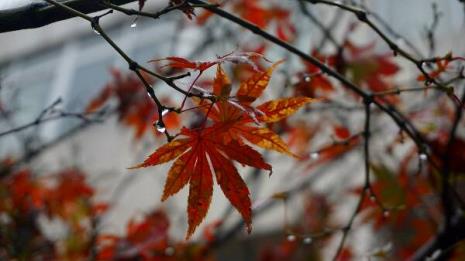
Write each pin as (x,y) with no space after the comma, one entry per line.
(51,113)
(41,14)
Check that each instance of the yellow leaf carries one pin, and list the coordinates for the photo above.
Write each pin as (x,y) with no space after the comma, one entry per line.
(276,110)
(222,84)
(253,87)
(267,139)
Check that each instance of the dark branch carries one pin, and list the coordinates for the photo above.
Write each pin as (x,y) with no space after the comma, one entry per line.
(51,113)
(38,14)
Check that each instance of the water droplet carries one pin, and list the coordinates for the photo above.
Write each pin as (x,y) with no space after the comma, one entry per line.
(291,238)
(307,78)
(435,255)
(372,198)
(164,112)
(5,219)
(134,25)
(423,156)
(386,213)
(400,41)
(308,240)
(96,32)
(169,251)
(314,155)
(160,126)
(206,95)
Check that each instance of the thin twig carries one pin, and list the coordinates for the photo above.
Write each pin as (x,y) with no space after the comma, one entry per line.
(366,187)
(45,117)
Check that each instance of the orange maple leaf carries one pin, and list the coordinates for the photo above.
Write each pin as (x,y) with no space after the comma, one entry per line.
(239,116)
(209,150)
(194,154)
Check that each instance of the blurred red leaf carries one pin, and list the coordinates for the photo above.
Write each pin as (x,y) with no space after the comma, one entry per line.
(341,132)
(135,108)
(141,4)
(185,7)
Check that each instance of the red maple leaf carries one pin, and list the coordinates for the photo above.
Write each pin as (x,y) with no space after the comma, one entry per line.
(206,151)
(193,155)
(313,82)
(24,192)
(241,118)
(147,239)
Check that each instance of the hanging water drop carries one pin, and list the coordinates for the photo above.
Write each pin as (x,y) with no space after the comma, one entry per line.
(206,95)
(291,238)
(95,31)
(386,213)
(308,240)
(314,155)
(400,41)
(423,156)
(160,126)
(164,111)
(134,24)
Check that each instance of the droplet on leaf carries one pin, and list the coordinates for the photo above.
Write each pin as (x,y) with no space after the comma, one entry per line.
(307,78)
(160,126)
(314,155)
(291,238)
(308,240)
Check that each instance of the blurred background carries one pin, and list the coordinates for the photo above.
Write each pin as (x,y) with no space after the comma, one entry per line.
(69,62)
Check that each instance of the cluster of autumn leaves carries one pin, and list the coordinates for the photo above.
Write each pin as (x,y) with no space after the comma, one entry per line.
(27,199)
(211,148)
(231,121)
(34,207)
(231,124)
